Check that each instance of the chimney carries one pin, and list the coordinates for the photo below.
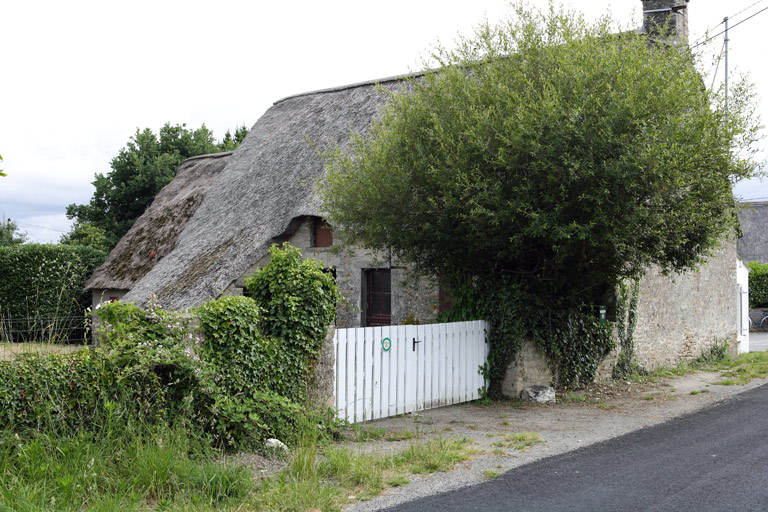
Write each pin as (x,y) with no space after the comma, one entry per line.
(657,13)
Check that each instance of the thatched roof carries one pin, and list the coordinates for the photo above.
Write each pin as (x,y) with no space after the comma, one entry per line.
(268,181)
(753,244)
(153,236)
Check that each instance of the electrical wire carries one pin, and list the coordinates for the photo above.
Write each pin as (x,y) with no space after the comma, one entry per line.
(730,28)
(719,58)
(699,40)
(20,224)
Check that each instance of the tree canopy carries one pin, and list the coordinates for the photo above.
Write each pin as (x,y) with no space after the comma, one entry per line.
(10,234)
(549,154)
(144,166)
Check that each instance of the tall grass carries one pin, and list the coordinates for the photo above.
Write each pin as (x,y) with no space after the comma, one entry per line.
(130,468)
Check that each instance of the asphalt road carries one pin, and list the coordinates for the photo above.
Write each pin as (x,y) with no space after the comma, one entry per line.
(758,341)
(713,460)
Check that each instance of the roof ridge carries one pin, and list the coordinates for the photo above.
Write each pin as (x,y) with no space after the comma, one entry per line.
(395,78)
(208,155)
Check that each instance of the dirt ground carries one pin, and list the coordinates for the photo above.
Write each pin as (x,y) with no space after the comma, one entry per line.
(578,419)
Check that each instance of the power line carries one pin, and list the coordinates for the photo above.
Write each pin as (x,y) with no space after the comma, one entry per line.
(20,224)
(698,41)
(719,58)
(745,9)
(730,28)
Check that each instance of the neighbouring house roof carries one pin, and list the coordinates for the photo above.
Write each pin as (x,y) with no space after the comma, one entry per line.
(154,234)
(268,181)
(753,244)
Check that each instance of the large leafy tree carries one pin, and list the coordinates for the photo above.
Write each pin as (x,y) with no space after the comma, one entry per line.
(143,167)
(544,161)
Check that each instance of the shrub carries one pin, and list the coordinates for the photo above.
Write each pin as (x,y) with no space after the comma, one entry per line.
(758,284)
(41,293)
(57,390)
(248,361)
(220,368)
(298,298)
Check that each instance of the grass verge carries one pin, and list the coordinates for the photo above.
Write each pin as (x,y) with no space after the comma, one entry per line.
(133,469)
(170,469)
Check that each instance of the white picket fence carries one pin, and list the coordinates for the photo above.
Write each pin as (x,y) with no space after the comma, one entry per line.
(385,371)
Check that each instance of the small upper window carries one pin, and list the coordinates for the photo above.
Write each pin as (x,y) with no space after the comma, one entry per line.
(322,233)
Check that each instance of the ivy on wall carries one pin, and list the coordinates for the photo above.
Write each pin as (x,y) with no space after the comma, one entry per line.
(626,320)
(572,338)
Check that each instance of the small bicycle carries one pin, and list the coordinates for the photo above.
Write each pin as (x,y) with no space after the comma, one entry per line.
(758,320)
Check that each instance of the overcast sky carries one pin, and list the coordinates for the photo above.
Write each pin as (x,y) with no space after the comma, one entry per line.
(78,78)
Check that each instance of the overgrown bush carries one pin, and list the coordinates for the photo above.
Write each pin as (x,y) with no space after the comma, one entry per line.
(55,391)
(573,340)
(298,298)
(41,291)
(758,284)
(219,369)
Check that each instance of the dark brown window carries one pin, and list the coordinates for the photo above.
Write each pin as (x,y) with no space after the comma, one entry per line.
(322,233)
(378,297)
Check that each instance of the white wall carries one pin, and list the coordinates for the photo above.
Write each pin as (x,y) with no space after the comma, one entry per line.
(742,278)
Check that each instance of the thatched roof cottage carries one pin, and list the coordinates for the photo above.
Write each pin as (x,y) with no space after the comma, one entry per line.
(213,224)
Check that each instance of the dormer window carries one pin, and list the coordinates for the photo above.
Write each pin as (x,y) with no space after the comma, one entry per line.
(322,233)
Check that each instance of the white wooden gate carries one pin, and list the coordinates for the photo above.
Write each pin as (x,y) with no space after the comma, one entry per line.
(385,371)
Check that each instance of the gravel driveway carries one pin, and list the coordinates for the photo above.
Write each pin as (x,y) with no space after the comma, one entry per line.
(579,419)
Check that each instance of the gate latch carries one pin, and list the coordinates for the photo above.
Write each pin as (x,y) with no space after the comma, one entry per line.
(415,341)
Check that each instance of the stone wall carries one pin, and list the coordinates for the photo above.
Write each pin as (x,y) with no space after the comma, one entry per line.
(678,317)
(530,368)
(682,315)
(321,393)
(753,244)
(411,295)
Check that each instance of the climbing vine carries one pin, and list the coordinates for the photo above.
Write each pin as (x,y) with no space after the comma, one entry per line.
(570,336)
(626,320)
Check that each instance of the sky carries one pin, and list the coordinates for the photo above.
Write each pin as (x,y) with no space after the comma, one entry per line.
(78,78)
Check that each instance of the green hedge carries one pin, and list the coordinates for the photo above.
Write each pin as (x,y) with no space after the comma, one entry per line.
(222,368)
(758,284)
(41,291)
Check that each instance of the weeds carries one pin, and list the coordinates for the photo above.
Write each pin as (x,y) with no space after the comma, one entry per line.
(401,435)
(574,397)
(362,434)
(744,368)
(439,454)
(523,440)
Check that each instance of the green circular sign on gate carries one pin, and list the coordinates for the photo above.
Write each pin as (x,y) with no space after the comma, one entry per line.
(386,344)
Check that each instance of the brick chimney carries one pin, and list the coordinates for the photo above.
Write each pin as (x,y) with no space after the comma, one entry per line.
(658,12)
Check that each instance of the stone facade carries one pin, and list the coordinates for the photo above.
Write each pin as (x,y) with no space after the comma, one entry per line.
(530,368)
(100,295)
(412,296)
(679,317)
(682,315)
(753,244)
